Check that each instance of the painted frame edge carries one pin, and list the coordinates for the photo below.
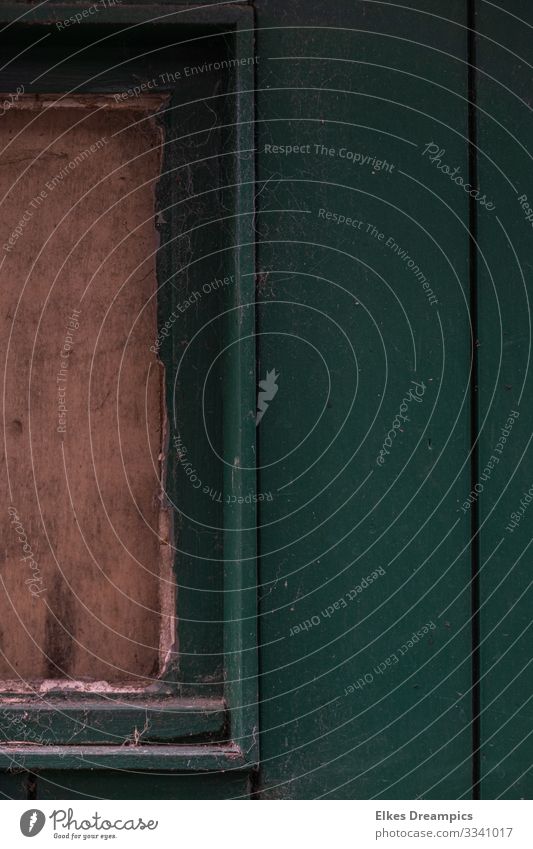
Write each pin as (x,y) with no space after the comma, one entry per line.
(185,758)
(240,606)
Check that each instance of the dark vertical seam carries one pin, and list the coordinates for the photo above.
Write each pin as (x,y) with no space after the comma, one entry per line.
(255,777)
(474,399)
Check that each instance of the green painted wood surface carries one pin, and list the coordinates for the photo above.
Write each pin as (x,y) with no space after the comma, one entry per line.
(238,363)
(114,784)
(348,327)
(193,256)
(212,757)
(113,721)
(505,55)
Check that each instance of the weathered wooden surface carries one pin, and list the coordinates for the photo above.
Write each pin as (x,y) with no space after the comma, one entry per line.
(113,721)
(505,468)
(82,418)
(337,514)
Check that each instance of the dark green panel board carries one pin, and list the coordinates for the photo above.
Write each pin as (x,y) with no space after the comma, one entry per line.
(114,784)
(364,291)
(505,57)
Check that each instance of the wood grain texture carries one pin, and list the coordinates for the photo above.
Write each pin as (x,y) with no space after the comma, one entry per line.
(82,416)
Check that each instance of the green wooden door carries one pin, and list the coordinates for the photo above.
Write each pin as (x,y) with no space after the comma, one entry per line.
(353,583)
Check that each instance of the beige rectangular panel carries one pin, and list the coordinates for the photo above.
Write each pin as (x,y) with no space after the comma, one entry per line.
(82,419)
